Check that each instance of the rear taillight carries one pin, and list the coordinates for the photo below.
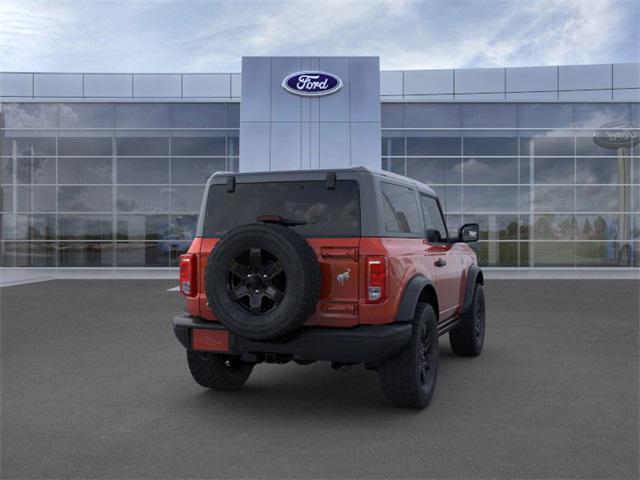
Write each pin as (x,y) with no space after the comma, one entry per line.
(188,274)
(376,279)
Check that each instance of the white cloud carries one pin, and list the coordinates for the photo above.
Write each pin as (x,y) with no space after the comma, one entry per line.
(101,35)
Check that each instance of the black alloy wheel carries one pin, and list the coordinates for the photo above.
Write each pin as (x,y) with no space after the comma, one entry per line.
(257,281)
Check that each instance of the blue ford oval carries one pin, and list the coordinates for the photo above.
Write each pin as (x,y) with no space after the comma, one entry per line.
(312,83)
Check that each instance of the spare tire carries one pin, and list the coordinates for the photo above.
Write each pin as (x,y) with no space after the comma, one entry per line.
(262,281)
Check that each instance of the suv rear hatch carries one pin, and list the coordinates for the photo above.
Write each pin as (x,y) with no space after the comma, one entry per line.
(328,214)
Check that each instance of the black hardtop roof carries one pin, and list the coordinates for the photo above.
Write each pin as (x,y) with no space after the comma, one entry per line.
(257,176)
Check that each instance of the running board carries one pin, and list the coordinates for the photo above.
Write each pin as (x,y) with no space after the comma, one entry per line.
(448,325)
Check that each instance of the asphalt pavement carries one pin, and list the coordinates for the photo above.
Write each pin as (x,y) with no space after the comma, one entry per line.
(94,385)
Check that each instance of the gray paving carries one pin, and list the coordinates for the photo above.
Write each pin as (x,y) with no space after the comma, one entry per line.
(94,385)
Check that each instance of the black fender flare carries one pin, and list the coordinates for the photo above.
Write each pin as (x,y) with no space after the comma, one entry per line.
(410,297)
(474,275)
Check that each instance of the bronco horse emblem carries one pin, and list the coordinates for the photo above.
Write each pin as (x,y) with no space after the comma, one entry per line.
(344,276)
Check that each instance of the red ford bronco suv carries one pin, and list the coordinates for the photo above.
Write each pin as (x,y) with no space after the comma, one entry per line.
(348,266)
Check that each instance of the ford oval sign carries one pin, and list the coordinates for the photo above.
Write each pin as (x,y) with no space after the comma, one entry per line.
(617,135)
(312,83)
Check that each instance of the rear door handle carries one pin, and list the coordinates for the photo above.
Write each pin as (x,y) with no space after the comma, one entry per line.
(439,263)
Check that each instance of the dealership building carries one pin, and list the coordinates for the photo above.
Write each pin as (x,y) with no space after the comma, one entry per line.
(108,170)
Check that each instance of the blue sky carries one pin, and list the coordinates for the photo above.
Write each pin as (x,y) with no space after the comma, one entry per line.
(212,36)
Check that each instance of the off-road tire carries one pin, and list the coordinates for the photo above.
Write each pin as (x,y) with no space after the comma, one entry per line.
(299,297)
(218,372)
(467,338)
(401,376)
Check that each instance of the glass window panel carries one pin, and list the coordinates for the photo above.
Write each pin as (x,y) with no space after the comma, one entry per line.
(489,115)
(233,144)
(6,199)
(142,146)
(586,146)
(84,170)
(183,227)
(30,115)
(601,198)
(490,199)
(198,146)
(635,230)
(436,115)
(233,115)
(525,227)
(496,254)
(552,254)
(85,227)
(143,170)
(604,226)
(554,227)
(540,144)
(143,227)
(89,254)
(143,254)
(490,170)
(186,199)
(6,170)
(450,198)
(401,212)
(524,254)
(553,199)
(525,169)
(604,254)
(432,217)
(84,146)
(490,146)
(636,169)
(545,115)
(392,144)
(195,170)
(392,115)
(495,227)
(553,170)
(36,199)
(86,115)
(435,170)
(29,227)
(603,170)
(423,145)
(143,199)
(37,254)
(36,170)
(199,115)
(597,115)
(395,165)
(84,199)
(30,146)
(142,115)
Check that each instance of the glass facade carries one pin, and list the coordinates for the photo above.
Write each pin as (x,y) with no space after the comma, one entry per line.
(120,184)
(108,184)
(544,193)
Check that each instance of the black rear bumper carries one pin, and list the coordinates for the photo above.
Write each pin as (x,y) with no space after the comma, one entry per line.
(366,343)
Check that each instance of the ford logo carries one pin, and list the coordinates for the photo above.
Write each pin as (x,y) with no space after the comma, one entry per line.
(312,83)
(617,135)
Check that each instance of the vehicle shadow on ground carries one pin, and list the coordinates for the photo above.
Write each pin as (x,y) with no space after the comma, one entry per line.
(294,390)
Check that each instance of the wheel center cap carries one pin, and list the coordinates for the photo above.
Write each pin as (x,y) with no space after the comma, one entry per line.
(254,281)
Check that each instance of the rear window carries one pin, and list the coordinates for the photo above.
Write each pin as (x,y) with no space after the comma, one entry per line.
(327,213)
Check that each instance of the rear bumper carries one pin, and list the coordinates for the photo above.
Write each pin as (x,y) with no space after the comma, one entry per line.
(365,343)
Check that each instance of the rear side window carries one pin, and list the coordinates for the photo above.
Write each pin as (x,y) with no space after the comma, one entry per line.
(433,217)
(327,213)
(400,209)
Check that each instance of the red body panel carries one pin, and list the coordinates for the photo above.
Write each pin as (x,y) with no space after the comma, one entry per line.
(344,284)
